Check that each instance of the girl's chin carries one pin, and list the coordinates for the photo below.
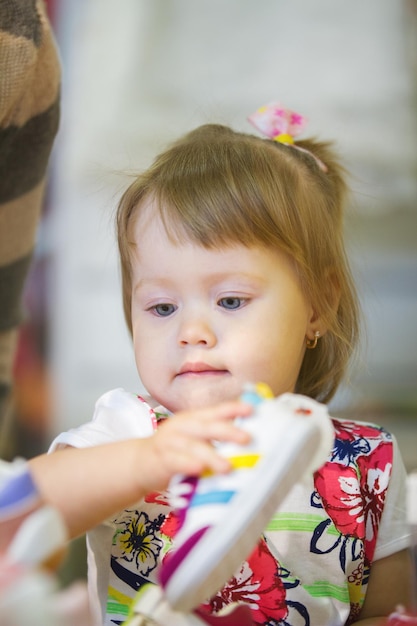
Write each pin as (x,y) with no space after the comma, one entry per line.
(201,396)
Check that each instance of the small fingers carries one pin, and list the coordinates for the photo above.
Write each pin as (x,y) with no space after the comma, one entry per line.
(183,443)
(224,431)
(214,423)
(199,458)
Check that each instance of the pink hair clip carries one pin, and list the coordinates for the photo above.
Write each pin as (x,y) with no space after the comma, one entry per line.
(278,123)
(282,125)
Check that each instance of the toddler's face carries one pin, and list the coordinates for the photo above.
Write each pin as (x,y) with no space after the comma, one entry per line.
(207,321)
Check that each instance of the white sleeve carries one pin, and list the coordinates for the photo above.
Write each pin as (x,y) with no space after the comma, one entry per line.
(118,415)
(394,532)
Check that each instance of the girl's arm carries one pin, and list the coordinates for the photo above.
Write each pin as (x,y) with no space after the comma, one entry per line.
(90,484)
(389,586)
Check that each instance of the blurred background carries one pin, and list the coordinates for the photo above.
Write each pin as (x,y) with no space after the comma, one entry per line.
(138,73)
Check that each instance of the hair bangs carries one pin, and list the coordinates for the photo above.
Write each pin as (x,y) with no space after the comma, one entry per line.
(215,199)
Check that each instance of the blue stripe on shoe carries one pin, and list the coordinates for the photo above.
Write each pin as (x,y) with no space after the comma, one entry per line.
(17,489)
(212,497)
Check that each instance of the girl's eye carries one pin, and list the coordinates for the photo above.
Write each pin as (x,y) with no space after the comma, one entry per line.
(164,309)
(230,302)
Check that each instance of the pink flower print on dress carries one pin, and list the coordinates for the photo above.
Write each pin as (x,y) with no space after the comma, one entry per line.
(353,488)
(375,472)
(258,585)
(340,492)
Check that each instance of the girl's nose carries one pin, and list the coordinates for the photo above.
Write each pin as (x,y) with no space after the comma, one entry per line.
(196,331)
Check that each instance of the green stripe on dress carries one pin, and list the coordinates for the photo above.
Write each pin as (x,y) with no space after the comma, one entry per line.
(299,522)
(115,608)
(325,589)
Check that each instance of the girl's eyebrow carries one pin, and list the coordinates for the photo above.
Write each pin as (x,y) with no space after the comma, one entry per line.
(211,279)
(237,276)
(145,282)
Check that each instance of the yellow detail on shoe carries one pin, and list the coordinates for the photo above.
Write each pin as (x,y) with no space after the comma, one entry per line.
(264,391)
(244,461)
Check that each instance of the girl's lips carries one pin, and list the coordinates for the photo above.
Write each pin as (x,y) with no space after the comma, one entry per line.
(199,369)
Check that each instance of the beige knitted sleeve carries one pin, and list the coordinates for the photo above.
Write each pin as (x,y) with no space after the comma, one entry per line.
(29,117)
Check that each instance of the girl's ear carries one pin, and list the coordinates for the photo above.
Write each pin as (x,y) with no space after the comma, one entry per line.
(326,310)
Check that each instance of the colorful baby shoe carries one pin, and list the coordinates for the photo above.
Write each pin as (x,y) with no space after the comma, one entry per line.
(221,517)
(30,531)
(32,538)
(19,498)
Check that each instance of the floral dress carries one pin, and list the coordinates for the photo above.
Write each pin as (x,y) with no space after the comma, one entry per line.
(312,564)
(314,559)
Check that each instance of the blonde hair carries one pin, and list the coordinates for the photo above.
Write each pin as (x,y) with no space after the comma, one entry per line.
(218,187)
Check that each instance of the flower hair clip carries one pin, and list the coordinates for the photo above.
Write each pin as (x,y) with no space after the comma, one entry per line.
(282,125)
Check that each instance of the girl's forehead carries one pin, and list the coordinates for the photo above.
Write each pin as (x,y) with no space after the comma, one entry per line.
(154,241)
(147,216)
(147,221)
(153,219)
